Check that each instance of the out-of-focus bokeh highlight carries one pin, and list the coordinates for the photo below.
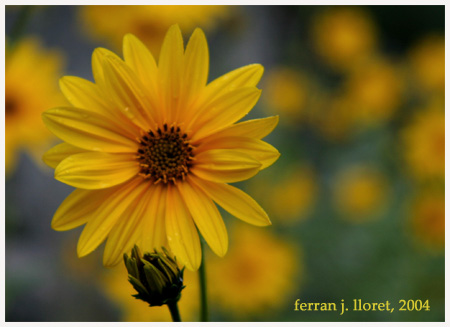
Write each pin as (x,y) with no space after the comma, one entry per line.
(31,77)
(260,267)
(356,198)
(148,23)
(343,37)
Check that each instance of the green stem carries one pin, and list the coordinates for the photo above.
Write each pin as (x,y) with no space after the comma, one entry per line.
(19,25)
(174,312)
(203,293)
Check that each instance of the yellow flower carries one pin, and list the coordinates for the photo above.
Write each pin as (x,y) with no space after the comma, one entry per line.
(428,219)
(343,36)
(291,196)
(359,193)
(375,91)
(115,285)
(424,143)
(427,62)
(31,75)
(256,278)
(370,95)
(150,147)
(335,117)
(148,23)
(286,93)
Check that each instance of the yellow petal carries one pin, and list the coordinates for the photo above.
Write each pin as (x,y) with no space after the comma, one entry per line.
(86,95)
(225,166)
(141,61)
(97,66)
(103,219)
(87,130)
(206,217)
(78,207)
(195,69)
(127,93)
(96,170)
(242,77)
(257,149)
(60,152)
(224,111)
(170,68)
(255,128)
(126,232)
(153,231)
(82,93)
(181,232)
(235,201)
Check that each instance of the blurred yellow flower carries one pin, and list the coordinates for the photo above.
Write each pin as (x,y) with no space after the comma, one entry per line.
(335,117)
(343,36)
(428,219)
(257,277)
(375,91)
(360,193)
(115,285)
(291,195)
(150,147)
(424,143)
(370,95)
(31,86)
(427,62)
(148,23)
(286,92)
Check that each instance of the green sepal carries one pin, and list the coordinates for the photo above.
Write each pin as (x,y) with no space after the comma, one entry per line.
(154,278)
(137,285)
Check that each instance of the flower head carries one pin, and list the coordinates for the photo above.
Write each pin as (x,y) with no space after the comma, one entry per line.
(423,141)
(343,36)
(25,101)
(288,92)
(148,23)
(375,90)
(151,146)
(427,218)
(259,269)
(360,193)
(427,64)
(292,196)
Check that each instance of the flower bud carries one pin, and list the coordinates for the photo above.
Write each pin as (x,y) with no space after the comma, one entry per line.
(155,276)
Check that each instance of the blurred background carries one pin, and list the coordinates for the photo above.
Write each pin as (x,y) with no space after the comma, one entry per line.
(356,198)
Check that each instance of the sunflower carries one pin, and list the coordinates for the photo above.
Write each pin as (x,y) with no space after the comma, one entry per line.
(24,102)
(260,269)
(149,23)
(291,198)
(344,36)
(360,193)
(423,143)
(427,64)
(288,92)
(151,149)
(427,218)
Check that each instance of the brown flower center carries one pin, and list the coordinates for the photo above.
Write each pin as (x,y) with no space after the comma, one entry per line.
(165,155)
(10,106)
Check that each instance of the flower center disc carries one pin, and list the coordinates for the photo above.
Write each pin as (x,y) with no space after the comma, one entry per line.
(165,155)
(10,106)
